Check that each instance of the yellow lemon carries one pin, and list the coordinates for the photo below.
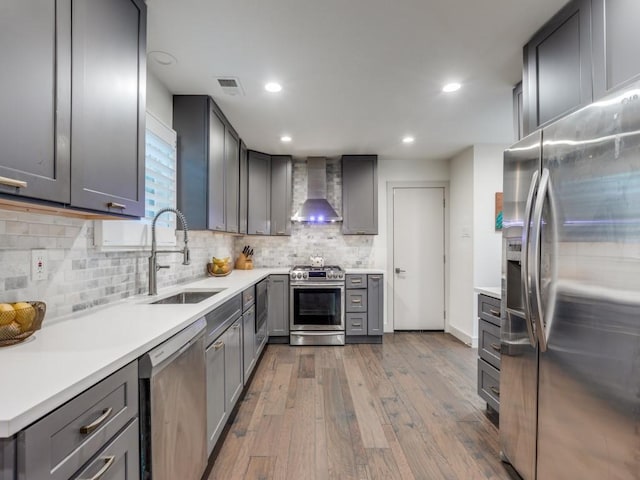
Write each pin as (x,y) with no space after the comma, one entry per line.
(25,314)
(7,314)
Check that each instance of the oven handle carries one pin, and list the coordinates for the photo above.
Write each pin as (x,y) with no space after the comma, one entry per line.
(316,285)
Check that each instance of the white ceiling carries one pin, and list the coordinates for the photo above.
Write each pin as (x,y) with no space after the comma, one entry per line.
(357,75)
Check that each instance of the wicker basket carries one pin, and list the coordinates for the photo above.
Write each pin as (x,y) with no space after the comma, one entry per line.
(14,332)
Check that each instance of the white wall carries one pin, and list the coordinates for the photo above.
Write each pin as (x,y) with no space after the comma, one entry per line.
(461,238)
(159,100)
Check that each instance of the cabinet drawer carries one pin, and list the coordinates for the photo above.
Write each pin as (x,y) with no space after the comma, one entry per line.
(356,324)
(489,309)
(248,297)
(222,317)
(56,446)
(489,384)
(119,460)
(356,301)
(356,281)
(489,342)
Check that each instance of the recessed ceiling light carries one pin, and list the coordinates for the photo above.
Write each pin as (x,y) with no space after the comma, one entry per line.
(451,87)
(285,138)
(162,58)
(273,87)
(408,139)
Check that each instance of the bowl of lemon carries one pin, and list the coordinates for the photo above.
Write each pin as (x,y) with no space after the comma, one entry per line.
(219,267)
(18,321)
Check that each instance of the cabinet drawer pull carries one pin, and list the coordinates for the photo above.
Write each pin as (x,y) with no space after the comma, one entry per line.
(495,346)
(108,461)
(120,206)
(260,232)
(218,345)
(356,300)
(11,182)
(495,313)
(495,390)
(374,277)
(357,324)
(356,280)
(97,422)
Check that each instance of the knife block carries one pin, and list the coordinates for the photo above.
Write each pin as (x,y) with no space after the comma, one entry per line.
(244,263)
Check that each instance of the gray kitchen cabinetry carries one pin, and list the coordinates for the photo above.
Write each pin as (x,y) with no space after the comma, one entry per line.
(67,58)
(35,47)
(7,458)
(278,306)
(108,44)
(489,350)
(616,37)
(259,193)
(360,194)
(243,189)
(248,332)
(233,383)
(216,408)
(208,164)
(557,77)
(262,313)
(364,308)
(61,443)
(281,170)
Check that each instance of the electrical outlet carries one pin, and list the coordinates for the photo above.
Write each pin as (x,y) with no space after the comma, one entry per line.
(39,264)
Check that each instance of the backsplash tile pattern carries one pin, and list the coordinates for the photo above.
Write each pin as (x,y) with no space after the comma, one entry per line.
(81,276)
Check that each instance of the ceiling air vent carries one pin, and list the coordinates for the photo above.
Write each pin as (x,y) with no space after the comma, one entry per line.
(231,86)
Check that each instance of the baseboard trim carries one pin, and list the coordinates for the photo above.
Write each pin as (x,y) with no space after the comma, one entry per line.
(463,337)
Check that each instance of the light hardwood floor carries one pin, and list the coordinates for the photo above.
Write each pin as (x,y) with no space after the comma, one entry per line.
(406,409)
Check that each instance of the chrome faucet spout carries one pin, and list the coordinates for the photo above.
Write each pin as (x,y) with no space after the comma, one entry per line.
(153,264)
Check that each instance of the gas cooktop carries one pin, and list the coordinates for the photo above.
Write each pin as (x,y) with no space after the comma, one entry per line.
(310,273)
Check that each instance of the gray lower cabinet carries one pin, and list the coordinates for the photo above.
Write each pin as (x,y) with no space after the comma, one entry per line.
(35,47)
(7,458)
(364,306)
(61,443)
(278,306)
(216,409)
(233,364)
(375,304)
(356,323)
(107,121)
(489,350)
(259,193)
(248,343)
(356,300)
(360,194)
(281,171)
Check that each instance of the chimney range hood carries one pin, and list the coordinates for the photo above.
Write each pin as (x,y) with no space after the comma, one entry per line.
(316,208)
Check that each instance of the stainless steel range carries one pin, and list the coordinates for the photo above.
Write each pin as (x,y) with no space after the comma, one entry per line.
(317,305)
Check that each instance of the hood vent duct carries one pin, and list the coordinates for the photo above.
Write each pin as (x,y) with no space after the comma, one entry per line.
(316,208)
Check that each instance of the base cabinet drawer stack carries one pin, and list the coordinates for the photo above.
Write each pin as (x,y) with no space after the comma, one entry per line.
(489,350)
(249,357)
(364,308)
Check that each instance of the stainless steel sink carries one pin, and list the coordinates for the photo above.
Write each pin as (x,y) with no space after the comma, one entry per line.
(187,297)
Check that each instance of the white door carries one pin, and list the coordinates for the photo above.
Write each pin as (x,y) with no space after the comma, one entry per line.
(418,258)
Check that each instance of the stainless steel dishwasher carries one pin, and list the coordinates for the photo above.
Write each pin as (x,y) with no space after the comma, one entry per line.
(173,411)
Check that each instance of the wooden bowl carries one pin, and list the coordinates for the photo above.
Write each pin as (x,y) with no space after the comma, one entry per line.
(13,333)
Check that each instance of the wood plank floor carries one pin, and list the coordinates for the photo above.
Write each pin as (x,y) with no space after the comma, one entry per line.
(406,409)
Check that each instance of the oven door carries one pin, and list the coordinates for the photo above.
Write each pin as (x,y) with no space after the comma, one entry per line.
(317,306)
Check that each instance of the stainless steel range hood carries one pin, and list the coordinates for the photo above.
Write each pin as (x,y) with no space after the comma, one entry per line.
(316,208)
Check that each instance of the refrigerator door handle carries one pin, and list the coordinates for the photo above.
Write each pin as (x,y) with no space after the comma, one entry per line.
(542,327)
(526,227)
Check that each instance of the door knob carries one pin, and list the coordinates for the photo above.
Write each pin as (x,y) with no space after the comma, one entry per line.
(399,270)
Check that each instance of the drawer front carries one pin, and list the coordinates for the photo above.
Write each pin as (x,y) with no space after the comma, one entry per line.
(356,324)
(356,281)
(489,342)
(222,317)
(489,309)
(63,441)
(356,301)
(119,460)
(248,298)
(489,384)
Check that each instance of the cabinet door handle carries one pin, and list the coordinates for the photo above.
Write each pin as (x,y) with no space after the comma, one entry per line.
(495,346)
(12,182)
(97,422)
(356,300)
(356,280)
(108,461)
(260,232)
(495,313)
(357,324)
(374,277)
(218,345)
(495,390)
(119,206)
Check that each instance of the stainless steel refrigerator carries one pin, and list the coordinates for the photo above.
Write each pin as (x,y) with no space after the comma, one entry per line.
(570,336)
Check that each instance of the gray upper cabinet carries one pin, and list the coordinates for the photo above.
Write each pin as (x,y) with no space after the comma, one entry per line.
(360,194)
(243,189)
(557,77)
(278,306)
(108,47)
(34,126)
(616,37)
(281,167)
(208,164)
(375,304)
(259,193)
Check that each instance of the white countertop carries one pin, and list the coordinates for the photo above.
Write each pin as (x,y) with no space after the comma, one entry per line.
(65,358)
(495,292)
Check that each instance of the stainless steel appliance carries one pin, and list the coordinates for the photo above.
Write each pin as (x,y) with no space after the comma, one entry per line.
(173,410)
(316,305)
(570,367)
(262,310)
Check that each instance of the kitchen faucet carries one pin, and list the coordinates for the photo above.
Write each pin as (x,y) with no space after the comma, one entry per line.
(153,263)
